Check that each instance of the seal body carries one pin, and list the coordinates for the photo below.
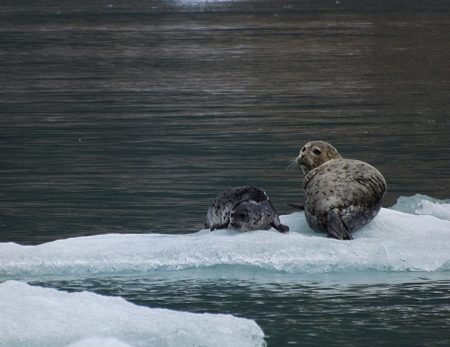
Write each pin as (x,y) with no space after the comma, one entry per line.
(341,195)
(244,208)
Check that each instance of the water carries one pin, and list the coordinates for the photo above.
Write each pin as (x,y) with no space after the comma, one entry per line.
(130,117)
(334,310)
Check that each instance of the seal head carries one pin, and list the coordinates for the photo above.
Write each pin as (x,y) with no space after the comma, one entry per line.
(250,215)
(314,154)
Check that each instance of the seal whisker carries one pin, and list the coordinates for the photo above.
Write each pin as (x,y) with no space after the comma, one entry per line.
(293,165)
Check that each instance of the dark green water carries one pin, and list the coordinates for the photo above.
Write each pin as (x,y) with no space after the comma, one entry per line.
(131,116)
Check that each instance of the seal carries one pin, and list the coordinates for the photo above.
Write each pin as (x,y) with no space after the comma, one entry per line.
(341,195)
(244,208)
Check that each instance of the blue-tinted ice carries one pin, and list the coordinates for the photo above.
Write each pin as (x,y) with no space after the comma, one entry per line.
(393,241)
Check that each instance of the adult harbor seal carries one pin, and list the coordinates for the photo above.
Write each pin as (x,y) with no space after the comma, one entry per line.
(341,195)
(243,208)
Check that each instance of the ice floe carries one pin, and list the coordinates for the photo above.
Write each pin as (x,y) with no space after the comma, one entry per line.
(393,241)
(99,342)
(33,316)
(424,205)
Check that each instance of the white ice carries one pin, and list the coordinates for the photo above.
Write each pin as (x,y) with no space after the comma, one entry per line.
(99,342)
(393,241)
(441,211)
(424,205)
(32,316)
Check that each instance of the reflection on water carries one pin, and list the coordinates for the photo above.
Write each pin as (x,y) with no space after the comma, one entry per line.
(306,313)
(131,117)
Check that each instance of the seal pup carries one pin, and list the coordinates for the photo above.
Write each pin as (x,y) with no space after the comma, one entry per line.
(341,195)
(244,208)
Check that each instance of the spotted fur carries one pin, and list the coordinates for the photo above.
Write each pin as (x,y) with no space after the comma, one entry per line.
(341,195)
(244,208)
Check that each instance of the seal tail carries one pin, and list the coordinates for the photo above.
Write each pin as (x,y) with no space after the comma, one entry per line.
(336,227)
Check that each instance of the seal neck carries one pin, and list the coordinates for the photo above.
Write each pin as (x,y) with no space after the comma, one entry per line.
(309,176)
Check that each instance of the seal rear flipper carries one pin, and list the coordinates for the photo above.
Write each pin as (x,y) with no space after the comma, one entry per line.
(280,227)
(336,228)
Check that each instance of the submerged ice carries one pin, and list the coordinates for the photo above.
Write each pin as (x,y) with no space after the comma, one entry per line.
(393,241)
(424,205)
(36,316)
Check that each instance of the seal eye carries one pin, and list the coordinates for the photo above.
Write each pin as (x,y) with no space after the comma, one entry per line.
(317,151)
(303,149)
(241,215)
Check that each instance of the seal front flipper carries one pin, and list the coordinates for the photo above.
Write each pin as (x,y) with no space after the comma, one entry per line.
(219,226)
(276,224)
(336,228)
(300,206)
(280,227)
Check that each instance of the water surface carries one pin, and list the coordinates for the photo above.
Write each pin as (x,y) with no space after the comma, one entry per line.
(131,117)
(337,310)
